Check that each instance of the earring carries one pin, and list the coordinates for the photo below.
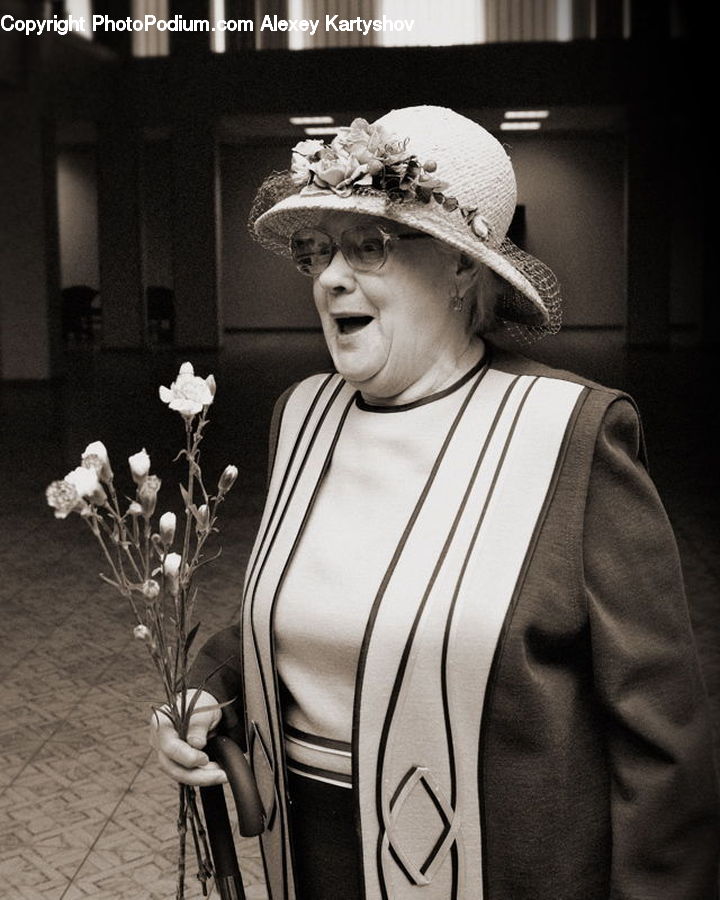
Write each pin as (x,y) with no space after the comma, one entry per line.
(457,300)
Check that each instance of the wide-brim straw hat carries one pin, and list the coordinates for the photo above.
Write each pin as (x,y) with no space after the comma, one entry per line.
(458,185)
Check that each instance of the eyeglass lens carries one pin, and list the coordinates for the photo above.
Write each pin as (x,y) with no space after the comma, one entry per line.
(363,246)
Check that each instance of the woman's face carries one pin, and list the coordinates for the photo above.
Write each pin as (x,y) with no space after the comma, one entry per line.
(392,333)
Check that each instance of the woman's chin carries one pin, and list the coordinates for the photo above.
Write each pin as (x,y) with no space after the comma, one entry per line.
(359,376)
(356,367)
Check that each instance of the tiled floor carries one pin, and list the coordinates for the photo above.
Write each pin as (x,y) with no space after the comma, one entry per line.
(83,811)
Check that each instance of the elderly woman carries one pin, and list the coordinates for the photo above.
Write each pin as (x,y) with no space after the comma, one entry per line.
(464,665)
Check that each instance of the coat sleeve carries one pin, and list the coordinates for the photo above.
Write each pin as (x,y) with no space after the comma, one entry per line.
(664,801)
(217,667)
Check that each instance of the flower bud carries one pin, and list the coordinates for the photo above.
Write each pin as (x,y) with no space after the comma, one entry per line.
(86,483)
(210,382)
(481,227)
(167,525)
(202,517)
(96,456)
(147,495)
(151,589)
(227,479)
(139,466)
(134,509)
(430,165)
(171,571)
(142,633)
(91,461)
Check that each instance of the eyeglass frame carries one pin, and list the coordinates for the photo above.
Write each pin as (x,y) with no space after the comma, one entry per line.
(335,245)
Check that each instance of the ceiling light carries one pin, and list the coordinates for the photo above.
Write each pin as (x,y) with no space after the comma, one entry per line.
(527,114)
(311,120)
(321,130)
(519,126)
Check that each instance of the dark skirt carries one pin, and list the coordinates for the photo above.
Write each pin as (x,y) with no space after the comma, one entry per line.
(325,844)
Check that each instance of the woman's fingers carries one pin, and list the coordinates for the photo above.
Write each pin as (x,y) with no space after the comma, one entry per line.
(200,776)
(200,724)
(183,760)
(177,750)
(206,715)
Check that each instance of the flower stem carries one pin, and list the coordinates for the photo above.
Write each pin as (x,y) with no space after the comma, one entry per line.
(202,856)
(191,450)
(119,578)
(114,509)
(182,833)
(146,550)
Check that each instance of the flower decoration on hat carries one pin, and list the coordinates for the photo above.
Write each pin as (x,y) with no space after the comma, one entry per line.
(368,159)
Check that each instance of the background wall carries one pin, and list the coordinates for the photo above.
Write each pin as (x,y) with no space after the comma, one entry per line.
(78,216)
(258,290)
(29,292)
(686,194)
(157,213)
(574,196)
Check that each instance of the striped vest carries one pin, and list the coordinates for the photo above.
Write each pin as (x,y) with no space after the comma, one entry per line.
(418,712)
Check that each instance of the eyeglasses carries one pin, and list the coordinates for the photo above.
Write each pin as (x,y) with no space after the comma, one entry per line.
(365,248)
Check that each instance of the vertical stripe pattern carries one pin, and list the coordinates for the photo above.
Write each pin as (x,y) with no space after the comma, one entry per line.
(417,785)
(311,424)
(426,661)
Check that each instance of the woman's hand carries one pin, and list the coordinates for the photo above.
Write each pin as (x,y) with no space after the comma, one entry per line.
(184,761)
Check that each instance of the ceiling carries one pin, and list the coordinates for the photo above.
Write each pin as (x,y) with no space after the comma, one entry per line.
(561,119)
(276,128)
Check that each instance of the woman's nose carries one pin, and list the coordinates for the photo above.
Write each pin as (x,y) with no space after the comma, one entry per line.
(339,277)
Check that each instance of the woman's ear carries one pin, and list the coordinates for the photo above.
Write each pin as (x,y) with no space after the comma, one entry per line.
(466,270)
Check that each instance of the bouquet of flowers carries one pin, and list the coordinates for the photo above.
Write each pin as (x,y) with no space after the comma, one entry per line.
(142,565)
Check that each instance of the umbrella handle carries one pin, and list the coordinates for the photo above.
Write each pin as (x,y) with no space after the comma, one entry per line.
(223,750)
(249,810)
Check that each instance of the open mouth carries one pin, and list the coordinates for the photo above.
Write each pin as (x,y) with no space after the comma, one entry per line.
(352,324)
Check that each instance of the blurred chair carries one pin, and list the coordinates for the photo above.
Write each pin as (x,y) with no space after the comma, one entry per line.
(81,313)
(161,314)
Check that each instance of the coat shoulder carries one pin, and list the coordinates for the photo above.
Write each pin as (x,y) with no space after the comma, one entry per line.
(518,364)
(603,408)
